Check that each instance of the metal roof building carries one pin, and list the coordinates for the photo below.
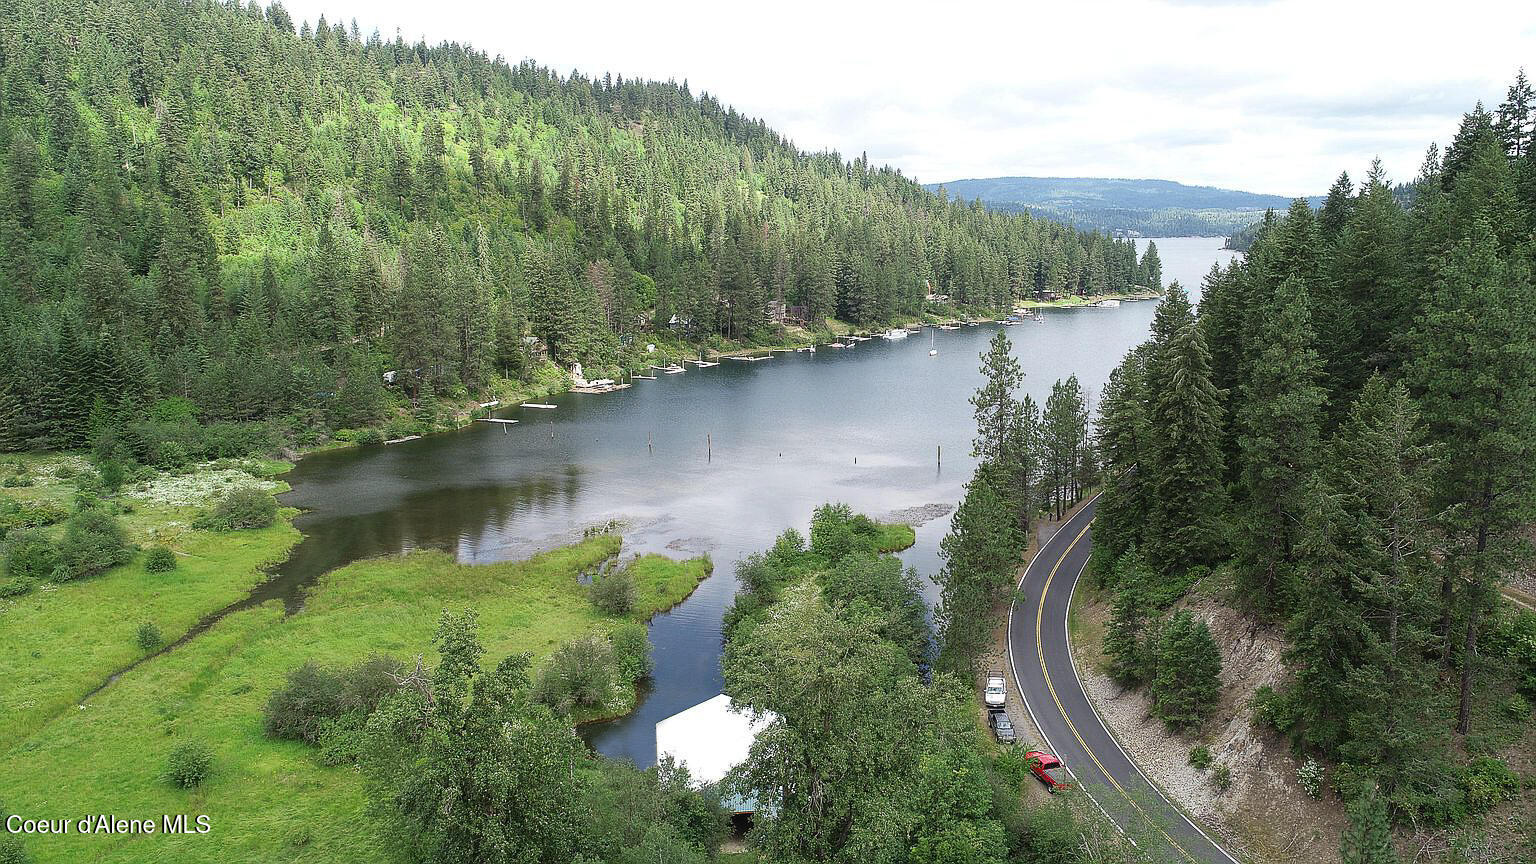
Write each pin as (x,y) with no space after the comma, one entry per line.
(710,738)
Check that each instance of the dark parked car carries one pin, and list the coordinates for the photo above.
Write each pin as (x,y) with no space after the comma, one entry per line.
(1002,727)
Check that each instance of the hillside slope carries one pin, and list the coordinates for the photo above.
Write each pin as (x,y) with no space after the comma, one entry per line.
(204,200)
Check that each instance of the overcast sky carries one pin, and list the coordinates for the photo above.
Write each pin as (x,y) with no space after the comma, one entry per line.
(1272,97)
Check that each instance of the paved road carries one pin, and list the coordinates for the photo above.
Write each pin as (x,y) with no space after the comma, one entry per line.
(1047,678)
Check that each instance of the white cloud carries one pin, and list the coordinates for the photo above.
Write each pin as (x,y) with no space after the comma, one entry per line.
(1270,97)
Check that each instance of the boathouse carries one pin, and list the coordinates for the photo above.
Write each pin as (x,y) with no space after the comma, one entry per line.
(711,738)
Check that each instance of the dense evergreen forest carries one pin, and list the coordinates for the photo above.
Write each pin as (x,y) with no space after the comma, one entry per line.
(208,201)
(1343,436)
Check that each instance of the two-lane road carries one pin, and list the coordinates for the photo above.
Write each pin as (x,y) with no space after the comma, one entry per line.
(1047,679)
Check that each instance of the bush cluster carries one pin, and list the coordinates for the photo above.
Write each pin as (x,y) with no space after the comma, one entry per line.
(317,699)
(614,592)
(93,542)
(17,515)
(171,436)
(589,671)
(242,508)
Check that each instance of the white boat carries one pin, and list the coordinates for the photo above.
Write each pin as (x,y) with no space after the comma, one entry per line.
(809,349)
(1106,304)
(895,333)
(836,345)
(672,370)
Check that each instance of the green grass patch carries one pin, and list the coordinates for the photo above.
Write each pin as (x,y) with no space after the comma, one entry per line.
(63,640)
(662,582)
(273,800)
(894,537)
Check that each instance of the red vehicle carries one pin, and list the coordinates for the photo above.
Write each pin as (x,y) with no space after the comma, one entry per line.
(1046,768)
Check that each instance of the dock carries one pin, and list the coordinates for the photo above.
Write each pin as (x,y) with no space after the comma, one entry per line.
(598,388)
(703,364)
(749,359)
(494,420)
(537,405)
(644,377)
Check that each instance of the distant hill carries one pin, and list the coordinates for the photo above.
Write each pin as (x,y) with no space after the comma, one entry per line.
(1146,207)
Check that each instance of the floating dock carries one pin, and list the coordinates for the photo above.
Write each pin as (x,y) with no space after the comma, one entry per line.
(538,405)
(749,359)
(494,420)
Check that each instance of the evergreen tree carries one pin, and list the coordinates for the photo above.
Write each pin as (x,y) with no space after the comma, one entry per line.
(1278,439)
(1368,838)
(1186,501)
(1152,268)
(1187,685)
(1362,630)
(1123,440)
(1124,637)
(1475,371)
(1337,209)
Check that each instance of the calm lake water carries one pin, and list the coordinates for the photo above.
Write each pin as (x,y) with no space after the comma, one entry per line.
(860,426)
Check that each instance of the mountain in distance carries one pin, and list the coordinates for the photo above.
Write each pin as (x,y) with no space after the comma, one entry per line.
(1123,206)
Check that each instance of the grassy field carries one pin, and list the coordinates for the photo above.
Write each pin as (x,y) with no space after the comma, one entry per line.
(268,800)
(61,641)
(273,800)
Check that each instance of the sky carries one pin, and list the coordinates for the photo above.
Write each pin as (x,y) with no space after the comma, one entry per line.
(1272,97)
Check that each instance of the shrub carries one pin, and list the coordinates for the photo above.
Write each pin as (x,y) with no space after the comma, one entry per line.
(311,697)
(1310,776)
(1200,757)
(369,437)
(582,673)
(189,764)
(632,651)
(159,559)
(1516,708)
(317,698)
(614,593)
(241,508)
(149,637)
(1488,782)
(15,587)
(93,542)
(1221,777)
(15,515)
(169,454)
(30,555)
(1279,711)
(112,475)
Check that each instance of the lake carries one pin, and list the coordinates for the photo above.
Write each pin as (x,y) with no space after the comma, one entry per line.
(861,426)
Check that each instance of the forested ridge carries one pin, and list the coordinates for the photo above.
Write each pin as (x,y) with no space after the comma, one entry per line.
(1340,441)
(205,201)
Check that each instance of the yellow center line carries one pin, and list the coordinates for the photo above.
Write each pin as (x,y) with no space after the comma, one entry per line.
(1040,650)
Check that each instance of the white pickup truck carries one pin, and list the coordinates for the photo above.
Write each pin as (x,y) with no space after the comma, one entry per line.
(996,692)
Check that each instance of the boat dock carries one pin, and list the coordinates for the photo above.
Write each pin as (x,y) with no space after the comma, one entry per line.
(537,405)
(747,359)
(494,420)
